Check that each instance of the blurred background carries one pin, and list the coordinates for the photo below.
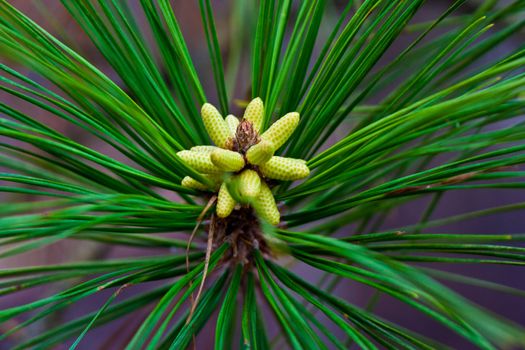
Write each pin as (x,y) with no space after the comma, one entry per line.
(51,15)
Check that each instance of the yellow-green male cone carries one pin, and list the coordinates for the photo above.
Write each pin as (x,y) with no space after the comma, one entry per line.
(200,161)
(232,122)
(226,168)
(225,202)
(216,126)
(265,206)
(190,182)
(254,113)
(260,153)
(249,185)
(281,130)
(227,160)
(285,169)
(203,149)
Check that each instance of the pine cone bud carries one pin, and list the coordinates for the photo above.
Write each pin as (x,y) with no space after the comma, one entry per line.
(204,149)
(249,185)
(225,202)
(199,161)
(279,132)
(232,122)
(216,126)
(254,113)
(286,169)
(265,206)
(190,182)
(227,160)
(260,153)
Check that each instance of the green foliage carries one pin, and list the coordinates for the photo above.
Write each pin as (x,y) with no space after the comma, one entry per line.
(445,114)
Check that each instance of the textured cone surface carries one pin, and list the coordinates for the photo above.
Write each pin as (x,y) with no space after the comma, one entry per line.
(260,153)
(233,187)
(265,206)
(203,149)
(281,130)
(232,122)
(249,185)
(199,161)
(254,113)
(286,169)
(225,202)
(227,160)
(190,182)
(216,126)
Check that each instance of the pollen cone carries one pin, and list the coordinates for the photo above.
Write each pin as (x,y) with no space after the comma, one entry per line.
(200,161)
(260,153)
(232,122)
(281,130)
(254,113)
(225,202)
(285,169)
(227,160)
(190,182)
(249,185)
(265,206)
(203,149)
(216,126)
